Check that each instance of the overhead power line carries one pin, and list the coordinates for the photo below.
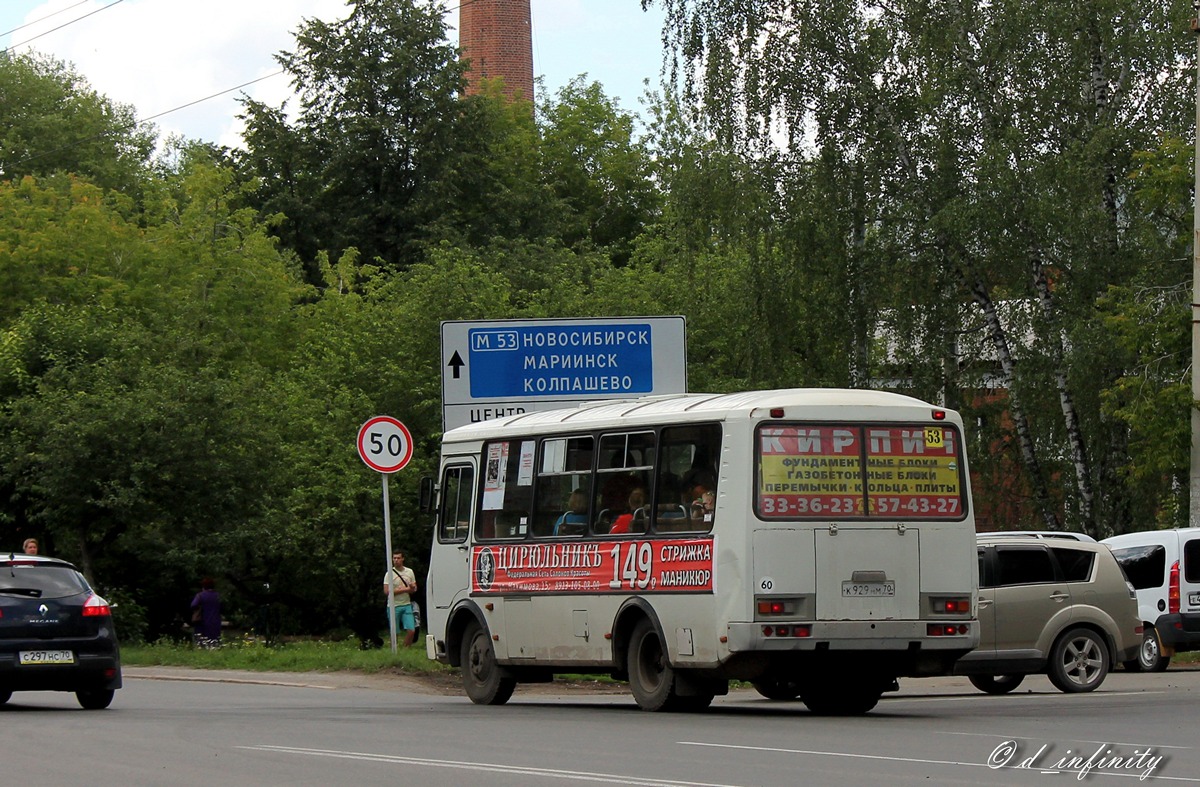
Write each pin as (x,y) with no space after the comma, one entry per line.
(64,24)
(44,18)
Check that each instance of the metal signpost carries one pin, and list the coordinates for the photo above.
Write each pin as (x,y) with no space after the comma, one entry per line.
(492,369)
(386,446)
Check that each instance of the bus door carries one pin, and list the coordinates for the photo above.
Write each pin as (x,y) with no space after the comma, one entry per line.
(868,573)
(449,578)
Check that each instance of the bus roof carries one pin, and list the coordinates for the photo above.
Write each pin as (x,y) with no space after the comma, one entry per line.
(651,410)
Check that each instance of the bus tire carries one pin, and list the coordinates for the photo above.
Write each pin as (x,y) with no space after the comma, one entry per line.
(996,684)
(1078,661)
(836,698)
(483,679)
(651,677)
(777,688)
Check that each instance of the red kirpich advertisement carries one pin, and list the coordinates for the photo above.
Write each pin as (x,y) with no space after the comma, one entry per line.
(860,471)
(635,566)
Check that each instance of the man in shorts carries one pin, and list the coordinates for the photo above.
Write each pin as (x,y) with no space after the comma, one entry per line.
(401,582)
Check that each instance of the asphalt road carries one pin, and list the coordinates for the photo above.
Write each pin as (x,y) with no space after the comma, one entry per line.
(171,727)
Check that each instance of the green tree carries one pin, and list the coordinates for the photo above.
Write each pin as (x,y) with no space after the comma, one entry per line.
(52,121)
(378,97)
(986,147)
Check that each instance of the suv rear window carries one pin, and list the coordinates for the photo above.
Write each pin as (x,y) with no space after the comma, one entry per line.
(40,580)
(1145,567)
(1024,566)
(1076,564)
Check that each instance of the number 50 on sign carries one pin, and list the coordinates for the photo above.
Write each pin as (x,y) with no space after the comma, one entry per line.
(385,444)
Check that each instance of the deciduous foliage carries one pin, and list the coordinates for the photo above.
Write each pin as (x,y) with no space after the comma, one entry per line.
(986,205)
(987,148)
(376,122)
(52,121)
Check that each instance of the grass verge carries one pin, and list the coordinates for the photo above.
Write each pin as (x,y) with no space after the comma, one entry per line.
(298,656)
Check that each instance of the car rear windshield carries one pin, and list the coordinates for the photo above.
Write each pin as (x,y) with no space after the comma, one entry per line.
(1145,566)
(40,580)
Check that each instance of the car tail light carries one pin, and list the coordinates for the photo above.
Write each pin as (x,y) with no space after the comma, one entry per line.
(1173,590)
(96,607)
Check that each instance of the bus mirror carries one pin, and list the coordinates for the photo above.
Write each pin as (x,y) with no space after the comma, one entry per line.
(426,495)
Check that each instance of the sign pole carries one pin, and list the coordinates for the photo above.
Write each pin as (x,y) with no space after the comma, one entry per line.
(387,557)
(386,446)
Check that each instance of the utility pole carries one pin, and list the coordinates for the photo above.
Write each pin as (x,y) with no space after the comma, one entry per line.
(1194,487)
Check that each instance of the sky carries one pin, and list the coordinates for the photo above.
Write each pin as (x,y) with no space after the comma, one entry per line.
(158,55)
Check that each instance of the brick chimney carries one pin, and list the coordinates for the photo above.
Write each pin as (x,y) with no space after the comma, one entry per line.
(497,40)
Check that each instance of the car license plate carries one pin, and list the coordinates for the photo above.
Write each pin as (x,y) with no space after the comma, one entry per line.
(47,657)
(1194,599)
(868,589)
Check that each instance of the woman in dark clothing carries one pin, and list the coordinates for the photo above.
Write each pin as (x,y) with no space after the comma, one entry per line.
(206,615)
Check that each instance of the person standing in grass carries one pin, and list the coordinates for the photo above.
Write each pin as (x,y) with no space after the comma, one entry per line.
(401,583)
(206,615)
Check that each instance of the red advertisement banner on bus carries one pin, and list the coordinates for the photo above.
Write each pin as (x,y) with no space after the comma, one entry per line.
(849,471)
(638,566)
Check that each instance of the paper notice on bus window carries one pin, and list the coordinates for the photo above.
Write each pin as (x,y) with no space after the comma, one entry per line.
(525,470)
(493,476)
(850,471)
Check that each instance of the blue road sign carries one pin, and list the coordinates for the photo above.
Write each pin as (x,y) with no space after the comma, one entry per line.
(537,360)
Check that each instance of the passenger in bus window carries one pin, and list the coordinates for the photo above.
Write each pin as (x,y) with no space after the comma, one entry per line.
(700,473)
(703,505)
(634,520)
(574,519)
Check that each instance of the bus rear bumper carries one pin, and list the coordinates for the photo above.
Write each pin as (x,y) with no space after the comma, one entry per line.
(903,648)
(877,635)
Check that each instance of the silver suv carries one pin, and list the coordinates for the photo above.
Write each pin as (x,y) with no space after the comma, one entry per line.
(1050,605)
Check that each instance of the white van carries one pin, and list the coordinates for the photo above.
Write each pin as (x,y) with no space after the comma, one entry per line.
(1164,568)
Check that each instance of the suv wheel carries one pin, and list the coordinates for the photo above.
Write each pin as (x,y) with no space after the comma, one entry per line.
(996,684)
(1150,658)
(1078,661)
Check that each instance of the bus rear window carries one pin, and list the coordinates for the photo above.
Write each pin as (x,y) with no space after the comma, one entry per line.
(860,471)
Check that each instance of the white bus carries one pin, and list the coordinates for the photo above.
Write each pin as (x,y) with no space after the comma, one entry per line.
(817,543)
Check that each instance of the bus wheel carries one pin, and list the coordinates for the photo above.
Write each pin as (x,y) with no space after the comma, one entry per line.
(651,678)
(483,679)
(996,684)
(830,700)
(777,688)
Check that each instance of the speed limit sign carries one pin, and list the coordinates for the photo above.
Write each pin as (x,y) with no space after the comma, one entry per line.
(385,444)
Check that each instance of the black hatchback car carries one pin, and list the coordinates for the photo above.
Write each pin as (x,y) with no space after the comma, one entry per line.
(56,634)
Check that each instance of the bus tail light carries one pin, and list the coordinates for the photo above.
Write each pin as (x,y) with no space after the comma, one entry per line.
(951,605)
(787,631)
(776,607)
(947,629)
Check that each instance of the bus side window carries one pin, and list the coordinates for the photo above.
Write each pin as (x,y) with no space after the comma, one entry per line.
(458,487)
(564,487)
(687,482)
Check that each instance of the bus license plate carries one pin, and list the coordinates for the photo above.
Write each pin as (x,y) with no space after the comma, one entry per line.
(47,657)
(868,589)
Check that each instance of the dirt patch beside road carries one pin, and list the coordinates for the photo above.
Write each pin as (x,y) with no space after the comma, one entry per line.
(438,683)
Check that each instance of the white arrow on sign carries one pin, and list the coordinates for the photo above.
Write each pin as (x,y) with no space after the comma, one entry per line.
(385,444)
